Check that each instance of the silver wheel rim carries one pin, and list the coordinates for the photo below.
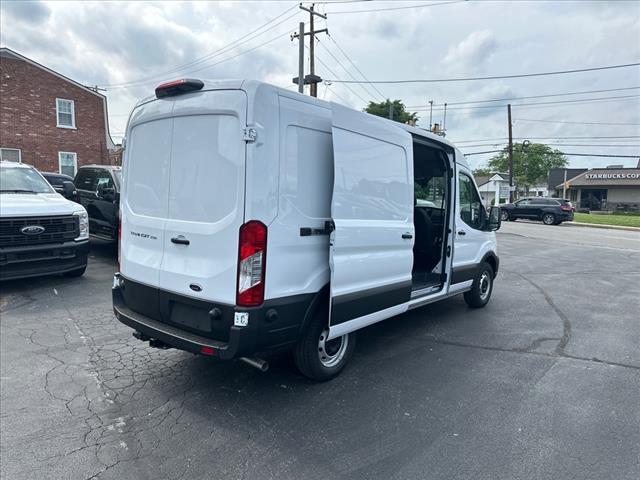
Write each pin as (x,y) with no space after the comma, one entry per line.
(548,219)
(485,286)
(505,216)
(331,352)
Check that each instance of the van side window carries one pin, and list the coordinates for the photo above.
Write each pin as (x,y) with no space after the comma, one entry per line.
(471,209)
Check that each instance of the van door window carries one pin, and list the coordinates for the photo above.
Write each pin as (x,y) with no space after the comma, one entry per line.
(471,210)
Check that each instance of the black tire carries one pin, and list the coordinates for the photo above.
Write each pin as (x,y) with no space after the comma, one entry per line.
(548,218)
(504,216)
(78,272)
(482,287)
(307,352)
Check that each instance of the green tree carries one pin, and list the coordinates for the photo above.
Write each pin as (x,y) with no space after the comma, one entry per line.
(400,114)
(482,172)
(531,163)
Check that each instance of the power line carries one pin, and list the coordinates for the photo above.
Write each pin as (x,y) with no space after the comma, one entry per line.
(525,98)
(554,102)
(572,123)
(422,5)
(634,145)
(239,54)
(495,77)
(333,73)
(540,138)
(235,43)
(368,92)
(356,67)
(563,153)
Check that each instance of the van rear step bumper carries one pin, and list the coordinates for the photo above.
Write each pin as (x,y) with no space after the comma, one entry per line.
(168,334)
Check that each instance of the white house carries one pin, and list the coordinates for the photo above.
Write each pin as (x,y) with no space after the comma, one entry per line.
(492,186)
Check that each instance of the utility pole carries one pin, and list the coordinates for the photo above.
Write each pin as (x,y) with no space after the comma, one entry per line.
(390,110)
(430,115)
(301,58)
(313,79)
(510,155)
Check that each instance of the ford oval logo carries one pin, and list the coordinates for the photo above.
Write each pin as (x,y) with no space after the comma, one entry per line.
(32,230)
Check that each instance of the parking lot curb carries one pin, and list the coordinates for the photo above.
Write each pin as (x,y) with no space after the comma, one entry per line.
(598,225)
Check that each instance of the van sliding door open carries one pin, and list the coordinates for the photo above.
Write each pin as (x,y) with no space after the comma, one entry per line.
(371,253)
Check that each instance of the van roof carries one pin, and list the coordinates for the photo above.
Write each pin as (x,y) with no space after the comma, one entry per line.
(252,86)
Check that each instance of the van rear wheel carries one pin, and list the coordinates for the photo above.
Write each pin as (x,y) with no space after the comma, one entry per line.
(319,358)
(549,219)
(482,287)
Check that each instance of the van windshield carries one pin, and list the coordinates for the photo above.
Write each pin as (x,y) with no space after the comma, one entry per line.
(23,180)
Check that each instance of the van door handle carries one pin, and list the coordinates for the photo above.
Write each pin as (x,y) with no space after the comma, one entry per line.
(407,236)
(461,232)
(180,240)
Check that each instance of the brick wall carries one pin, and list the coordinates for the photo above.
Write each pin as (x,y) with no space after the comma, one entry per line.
(28,117)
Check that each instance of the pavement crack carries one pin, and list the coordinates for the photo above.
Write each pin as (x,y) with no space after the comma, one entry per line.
(566,324)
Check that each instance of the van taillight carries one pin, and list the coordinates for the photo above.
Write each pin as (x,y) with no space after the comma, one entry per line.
(252,256)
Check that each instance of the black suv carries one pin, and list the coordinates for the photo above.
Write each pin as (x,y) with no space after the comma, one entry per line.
(99,193)
(551,211)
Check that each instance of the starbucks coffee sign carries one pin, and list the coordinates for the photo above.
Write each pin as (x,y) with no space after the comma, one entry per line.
(608,176)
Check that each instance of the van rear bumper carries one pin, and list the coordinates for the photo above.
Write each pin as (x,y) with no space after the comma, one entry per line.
(276,323)
(168,334)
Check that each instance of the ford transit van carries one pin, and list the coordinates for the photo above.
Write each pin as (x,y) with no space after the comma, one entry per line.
(254,218)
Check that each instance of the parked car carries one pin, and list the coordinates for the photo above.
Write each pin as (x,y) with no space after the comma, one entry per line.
(551,211)
(255,218)
(99,193)
(40,232)
(57,181)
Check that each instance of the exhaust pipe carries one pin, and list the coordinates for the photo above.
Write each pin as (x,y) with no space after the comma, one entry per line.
(258,363)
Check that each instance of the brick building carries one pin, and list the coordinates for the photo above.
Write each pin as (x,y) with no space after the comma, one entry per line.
(48,120)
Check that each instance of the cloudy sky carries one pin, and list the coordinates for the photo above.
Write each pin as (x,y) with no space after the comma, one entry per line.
(129,47)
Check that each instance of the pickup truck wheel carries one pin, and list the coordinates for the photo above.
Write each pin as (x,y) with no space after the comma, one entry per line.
(78,272)
(548,219)
(482,287)
(318,358)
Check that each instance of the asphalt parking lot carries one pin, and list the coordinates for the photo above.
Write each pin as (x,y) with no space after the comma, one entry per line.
(542,383)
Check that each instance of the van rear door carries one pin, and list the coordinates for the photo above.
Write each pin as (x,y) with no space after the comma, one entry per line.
(371,252)
(205,205)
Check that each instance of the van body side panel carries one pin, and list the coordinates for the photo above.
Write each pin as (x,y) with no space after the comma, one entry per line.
(372,209)
(300,264)
(205,196)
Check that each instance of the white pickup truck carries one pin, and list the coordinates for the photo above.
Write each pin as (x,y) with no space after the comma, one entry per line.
(41,232)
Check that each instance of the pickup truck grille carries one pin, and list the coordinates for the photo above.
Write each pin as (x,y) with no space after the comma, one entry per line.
(56,230)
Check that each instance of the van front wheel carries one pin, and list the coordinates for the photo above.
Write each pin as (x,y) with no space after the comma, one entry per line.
(482,287)
(319,358)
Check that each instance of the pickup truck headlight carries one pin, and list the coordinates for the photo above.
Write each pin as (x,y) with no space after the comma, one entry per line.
(83,222)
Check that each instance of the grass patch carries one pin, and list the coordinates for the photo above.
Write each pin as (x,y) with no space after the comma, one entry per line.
(620,220)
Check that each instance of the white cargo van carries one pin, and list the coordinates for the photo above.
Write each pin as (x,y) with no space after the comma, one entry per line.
(254,218)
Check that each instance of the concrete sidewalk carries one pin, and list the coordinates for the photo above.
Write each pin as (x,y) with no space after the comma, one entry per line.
(599,225)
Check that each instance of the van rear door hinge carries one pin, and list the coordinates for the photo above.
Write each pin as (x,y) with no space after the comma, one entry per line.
(249,134)
(308,231)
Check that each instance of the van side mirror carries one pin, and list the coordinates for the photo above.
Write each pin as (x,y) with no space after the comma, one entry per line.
(495,219)
(69,190)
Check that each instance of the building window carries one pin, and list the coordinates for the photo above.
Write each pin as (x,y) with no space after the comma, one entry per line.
(68,163)
(10,155)
(65,111)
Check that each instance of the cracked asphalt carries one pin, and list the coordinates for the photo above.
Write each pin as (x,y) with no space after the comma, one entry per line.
(542,383)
